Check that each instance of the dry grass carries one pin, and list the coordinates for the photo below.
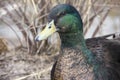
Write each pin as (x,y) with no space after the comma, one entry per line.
(3,45)
(30,16)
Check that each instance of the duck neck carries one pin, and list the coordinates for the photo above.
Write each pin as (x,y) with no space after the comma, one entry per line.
(76,40)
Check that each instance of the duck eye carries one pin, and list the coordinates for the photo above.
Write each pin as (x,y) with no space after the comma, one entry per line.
(63,13)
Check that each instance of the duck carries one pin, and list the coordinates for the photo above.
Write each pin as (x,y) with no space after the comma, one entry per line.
(80,59)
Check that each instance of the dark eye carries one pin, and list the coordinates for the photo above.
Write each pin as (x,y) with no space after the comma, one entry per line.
(63,13)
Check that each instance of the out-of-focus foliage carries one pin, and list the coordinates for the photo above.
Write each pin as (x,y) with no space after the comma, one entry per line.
(30,16)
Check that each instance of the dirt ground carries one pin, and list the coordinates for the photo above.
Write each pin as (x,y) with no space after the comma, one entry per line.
(19,65)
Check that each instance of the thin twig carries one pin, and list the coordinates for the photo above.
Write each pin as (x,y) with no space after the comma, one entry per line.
(12,30)
(34,74)
(101,22)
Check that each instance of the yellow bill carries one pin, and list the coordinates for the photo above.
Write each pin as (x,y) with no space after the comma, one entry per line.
(49,30)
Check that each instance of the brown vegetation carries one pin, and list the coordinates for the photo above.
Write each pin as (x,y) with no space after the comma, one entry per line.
(30,16)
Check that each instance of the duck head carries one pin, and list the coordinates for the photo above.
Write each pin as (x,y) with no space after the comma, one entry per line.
(64,19)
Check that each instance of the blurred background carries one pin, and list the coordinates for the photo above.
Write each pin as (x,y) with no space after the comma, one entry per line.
(21,20)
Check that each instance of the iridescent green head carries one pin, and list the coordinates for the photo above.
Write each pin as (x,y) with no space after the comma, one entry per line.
(63,18)
(66,18)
